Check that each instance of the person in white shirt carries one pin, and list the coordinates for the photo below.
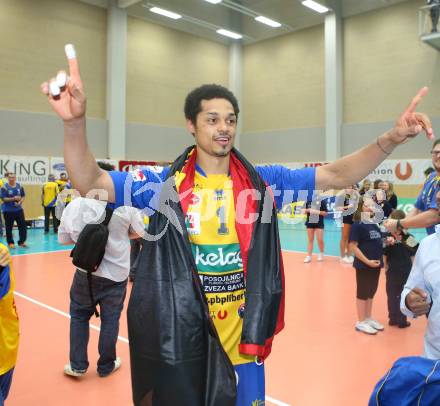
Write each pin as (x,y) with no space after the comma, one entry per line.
(109,282)
(421,294)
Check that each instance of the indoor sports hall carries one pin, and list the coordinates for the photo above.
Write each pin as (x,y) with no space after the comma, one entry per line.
(315,81)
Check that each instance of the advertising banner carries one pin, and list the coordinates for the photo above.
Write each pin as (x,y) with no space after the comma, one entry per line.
(30,170)
(128,166)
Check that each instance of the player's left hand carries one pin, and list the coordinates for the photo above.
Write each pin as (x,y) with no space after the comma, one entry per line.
(411,123)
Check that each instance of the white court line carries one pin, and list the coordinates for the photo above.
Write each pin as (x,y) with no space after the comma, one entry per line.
(92,326)
(276,402)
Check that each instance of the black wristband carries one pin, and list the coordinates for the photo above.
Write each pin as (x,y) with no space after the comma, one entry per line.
(381,148)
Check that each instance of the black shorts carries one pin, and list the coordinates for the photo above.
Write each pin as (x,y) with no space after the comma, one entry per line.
(347,219)
(367,281)
(315,225)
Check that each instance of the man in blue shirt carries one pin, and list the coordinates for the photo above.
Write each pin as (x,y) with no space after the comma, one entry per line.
(211,113)
(425,212)
(12,194)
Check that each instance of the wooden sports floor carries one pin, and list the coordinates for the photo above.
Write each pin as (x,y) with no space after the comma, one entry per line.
(318,360)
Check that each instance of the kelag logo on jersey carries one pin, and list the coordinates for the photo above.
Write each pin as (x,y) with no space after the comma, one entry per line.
(217,258)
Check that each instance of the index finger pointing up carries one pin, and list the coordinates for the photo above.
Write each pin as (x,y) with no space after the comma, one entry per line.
(416,100)
(73,62)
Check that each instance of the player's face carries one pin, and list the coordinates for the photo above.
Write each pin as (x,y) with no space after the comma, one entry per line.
(368,205)
(215,127)
(384,186)
(12,178)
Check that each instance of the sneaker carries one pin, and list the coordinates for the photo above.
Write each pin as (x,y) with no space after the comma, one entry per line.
(68,370)
(23,245)
(320,257)
(11,246)
(307,259)
(374,323)
(346,260)
(364,327)
(350,259)
(116,366)
(404,325)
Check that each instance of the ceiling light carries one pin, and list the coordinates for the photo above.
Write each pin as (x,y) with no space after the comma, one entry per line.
(268,21)
(315,6)
(214,1)
(229,34)
(165,13)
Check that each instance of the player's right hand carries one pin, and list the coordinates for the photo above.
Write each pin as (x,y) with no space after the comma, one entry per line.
(65,92)
(417,301)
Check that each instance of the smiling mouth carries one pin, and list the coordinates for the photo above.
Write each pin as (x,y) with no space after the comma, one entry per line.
(222,140)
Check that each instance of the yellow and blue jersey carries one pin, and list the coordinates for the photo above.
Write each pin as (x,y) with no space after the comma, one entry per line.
(9,330)
(50,193)
(61,184)
(210,221)
(65,185)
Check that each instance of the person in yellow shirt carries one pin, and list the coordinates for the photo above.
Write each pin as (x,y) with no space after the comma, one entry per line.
(9,329)
(64,185)
(4,179)
(62,181)
(49,201)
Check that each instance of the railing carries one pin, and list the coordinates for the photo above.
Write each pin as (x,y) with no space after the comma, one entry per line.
(425,25)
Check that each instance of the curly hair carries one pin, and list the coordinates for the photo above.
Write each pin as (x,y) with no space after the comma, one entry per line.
(193,102)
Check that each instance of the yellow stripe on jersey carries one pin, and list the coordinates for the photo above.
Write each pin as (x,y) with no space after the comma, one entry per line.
(9,333)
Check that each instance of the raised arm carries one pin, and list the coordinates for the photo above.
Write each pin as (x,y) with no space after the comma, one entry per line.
(356,166)
(66,96)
